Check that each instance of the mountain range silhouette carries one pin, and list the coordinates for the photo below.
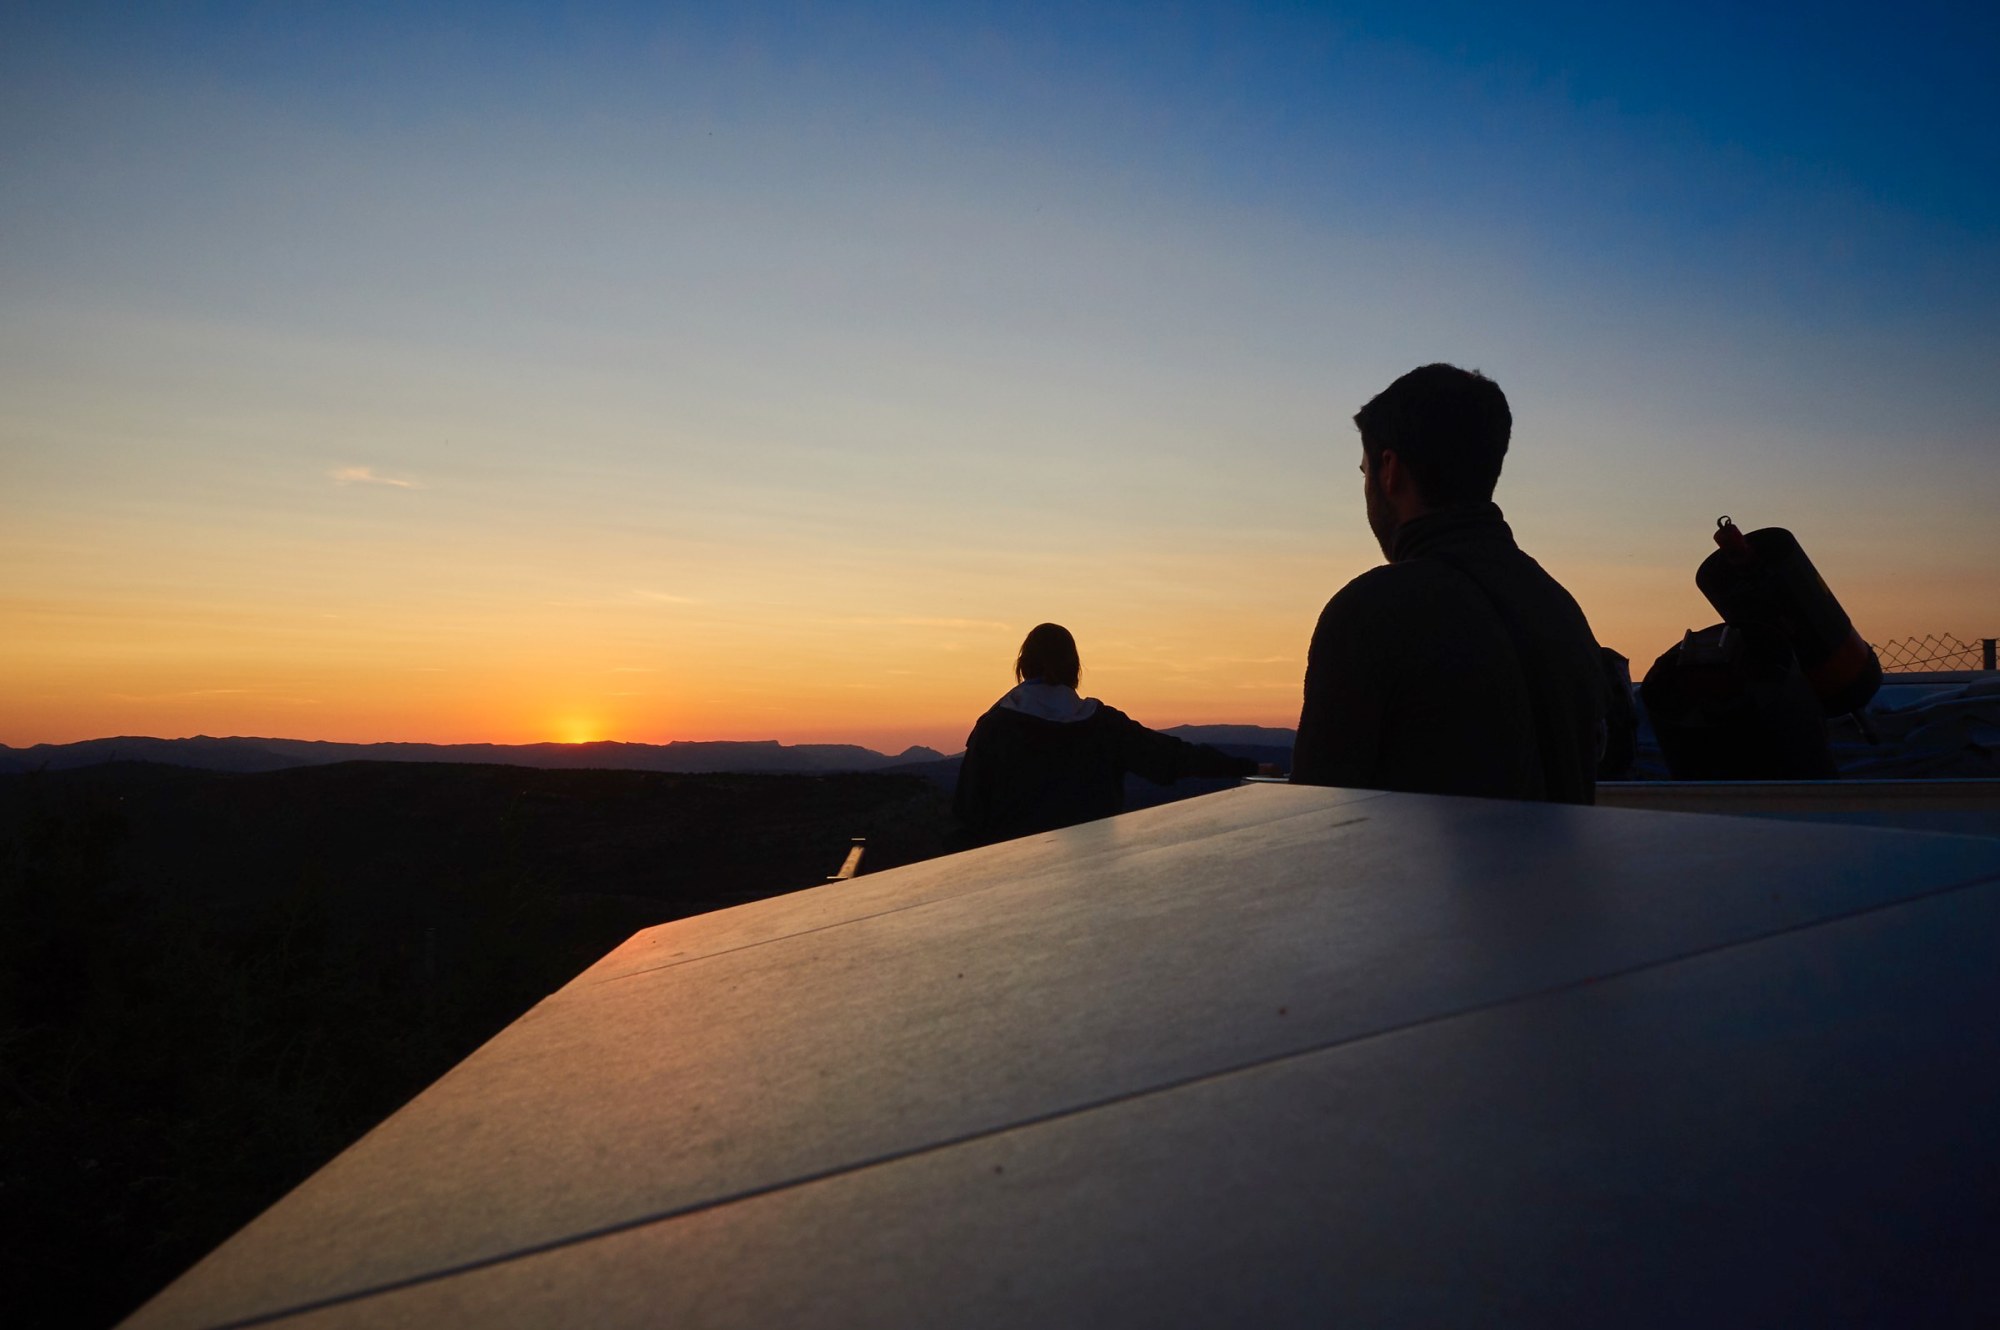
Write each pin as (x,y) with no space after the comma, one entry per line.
(245,754)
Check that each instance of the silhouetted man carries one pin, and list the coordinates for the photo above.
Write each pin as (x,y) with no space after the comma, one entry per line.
(1460,667)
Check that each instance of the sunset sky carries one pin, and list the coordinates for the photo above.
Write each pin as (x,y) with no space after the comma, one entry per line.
(522,372)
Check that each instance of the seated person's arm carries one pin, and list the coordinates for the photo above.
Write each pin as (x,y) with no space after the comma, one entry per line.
(1163,759)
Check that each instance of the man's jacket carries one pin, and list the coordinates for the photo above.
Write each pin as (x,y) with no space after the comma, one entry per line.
(1459,667)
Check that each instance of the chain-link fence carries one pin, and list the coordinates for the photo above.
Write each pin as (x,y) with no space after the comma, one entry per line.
(1939,651)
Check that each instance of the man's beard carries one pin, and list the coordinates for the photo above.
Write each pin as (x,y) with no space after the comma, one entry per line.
(1381,518)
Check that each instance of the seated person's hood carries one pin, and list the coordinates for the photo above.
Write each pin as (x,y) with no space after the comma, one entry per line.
(1049,701)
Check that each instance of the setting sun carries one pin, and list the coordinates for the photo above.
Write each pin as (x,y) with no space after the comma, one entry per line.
(577,730)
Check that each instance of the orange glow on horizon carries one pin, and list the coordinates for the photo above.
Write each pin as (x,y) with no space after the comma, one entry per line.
(577,730)
(1188,639)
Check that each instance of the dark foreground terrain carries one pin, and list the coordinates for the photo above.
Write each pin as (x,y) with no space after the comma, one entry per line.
(212,983)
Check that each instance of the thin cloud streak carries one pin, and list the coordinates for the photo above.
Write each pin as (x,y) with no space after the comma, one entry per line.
(365,475)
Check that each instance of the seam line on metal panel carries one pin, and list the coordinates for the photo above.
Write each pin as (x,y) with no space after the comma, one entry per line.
(1075,1110)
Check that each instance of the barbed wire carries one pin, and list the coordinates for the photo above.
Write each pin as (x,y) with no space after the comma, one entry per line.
(1935,651)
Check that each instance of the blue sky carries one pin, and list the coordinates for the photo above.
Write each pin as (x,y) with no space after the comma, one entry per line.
(942,316)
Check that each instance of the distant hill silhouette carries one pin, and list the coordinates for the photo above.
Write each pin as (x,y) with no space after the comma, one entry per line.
(249,755)
(244,755)
(1230,736)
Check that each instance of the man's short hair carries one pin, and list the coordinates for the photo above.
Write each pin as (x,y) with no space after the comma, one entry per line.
(1447,425)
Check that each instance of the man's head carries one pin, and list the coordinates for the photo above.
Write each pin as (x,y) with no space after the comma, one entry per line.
(1433,438)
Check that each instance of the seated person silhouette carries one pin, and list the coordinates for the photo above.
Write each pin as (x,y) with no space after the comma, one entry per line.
(1042,757)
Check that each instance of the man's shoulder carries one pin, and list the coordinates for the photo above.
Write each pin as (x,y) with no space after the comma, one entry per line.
(1532,591)
(1548,582)
(1380,616)
(1386,588)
